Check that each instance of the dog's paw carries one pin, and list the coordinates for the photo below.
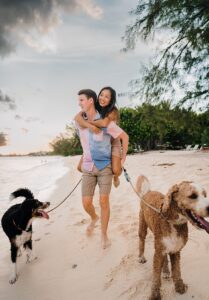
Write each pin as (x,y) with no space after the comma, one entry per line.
(155,296)
(13,278)
(181,287)
(142,259)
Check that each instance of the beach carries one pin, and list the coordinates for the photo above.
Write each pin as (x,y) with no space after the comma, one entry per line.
(71,265)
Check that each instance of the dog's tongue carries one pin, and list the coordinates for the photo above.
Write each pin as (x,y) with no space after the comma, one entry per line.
(204,223)
(43,214)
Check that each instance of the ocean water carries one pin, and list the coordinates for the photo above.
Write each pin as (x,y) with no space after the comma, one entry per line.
(39,174)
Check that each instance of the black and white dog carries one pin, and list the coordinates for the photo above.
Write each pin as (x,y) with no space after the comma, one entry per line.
(17,224)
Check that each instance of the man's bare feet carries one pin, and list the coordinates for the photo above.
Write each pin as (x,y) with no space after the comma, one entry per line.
(116,181)
(105,242)
(91,226)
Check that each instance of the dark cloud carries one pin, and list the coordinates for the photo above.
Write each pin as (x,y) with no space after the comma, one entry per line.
(7,101)
(40,15)
(3,139)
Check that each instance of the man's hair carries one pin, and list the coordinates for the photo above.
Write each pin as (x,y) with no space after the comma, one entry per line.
(89,94)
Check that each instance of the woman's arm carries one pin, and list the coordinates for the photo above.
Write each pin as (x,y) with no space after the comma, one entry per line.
(124,140)
(85,124)
(112,116)
(101,123)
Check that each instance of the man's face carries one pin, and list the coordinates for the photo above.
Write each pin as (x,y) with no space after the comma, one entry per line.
(84,102)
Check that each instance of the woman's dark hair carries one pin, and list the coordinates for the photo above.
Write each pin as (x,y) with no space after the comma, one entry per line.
(104,111)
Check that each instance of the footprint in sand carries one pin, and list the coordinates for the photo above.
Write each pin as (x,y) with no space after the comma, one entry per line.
(78,214)
(47,233)
(74,266)
(37,240)
(82,222)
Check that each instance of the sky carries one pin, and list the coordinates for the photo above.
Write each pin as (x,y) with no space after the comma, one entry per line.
(49,50)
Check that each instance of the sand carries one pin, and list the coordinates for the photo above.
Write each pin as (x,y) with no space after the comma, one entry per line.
(71,265)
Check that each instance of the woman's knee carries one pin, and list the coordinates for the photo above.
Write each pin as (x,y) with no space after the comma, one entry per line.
(116,165)
(116,170)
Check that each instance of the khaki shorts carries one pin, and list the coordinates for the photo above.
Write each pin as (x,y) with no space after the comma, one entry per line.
(91,178)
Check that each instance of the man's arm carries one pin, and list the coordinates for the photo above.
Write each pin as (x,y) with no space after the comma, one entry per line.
(85,124)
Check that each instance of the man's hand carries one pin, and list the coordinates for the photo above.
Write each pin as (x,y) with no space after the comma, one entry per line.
(95,129)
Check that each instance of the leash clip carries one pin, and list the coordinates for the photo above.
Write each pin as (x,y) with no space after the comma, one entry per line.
(126,175)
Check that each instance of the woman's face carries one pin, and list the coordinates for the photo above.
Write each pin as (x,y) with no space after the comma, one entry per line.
(104,98)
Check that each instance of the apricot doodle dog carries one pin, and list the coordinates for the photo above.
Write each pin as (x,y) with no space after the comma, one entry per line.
(184,202)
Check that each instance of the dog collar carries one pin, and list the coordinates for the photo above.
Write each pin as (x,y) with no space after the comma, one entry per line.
(19,228)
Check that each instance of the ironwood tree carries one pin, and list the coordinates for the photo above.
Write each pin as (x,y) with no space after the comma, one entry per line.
(180,69)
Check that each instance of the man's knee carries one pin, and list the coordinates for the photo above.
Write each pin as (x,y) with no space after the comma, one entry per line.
(104,201)
(87,202)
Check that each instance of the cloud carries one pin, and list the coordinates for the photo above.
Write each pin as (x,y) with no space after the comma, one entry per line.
(7,101)
(90,8)
(3,139)
(29,119)
(27,20)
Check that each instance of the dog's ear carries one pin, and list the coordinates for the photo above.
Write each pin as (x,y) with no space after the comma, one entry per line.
(168,197)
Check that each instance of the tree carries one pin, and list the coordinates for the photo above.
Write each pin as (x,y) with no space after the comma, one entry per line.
(183,63)
(67,144)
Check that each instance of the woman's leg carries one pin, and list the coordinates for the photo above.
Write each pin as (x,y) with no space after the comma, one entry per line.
(80,164)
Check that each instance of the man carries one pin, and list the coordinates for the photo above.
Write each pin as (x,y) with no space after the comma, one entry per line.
(96,164)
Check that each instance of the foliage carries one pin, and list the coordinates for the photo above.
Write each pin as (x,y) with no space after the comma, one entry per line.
(183,63)
(205,137)
(68,144)
(153,126)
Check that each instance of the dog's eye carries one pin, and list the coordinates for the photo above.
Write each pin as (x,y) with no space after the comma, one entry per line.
(193,196)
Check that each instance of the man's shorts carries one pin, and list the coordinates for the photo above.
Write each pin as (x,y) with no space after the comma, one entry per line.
(91,178)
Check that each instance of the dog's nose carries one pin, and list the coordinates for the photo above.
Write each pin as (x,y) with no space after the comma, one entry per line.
(48,203)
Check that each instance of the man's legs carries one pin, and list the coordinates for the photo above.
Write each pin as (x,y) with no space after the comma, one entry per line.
(105,183)
(105,215)
(89,181)
(89,208)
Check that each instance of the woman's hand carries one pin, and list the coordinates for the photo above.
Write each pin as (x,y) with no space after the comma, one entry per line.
(95,129)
